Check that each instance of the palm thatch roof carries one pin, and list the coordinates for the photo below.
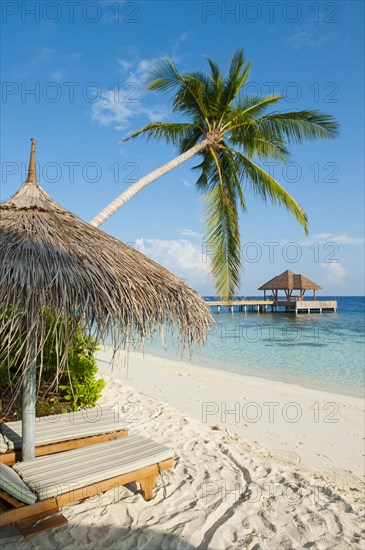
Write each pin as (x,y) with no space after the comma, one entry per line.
(52,260)
(290,281)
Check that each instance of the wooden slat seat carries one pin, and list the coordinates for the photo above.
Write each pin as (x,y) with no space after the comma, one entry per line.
(62,432)
(66,477)
(50,476)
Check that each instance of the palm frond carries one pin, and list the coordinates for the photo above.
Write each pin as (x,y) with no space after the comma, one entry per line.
(204,167)
(300,126)
(259,142)
(222,192)
(163,76)
(167,131)
(249,108)
(189,98)
(223,241)
(215,86)
(231,171)
(215,72)
(265,186)
(191,137)
(237,77)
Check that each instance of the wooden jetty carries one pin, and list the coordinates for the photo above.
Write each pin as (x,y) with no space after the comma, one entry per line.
(288,282)
(279,306)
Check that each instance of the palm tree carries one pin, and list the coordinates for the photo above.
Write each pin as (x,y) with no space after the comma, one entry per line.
(231,132)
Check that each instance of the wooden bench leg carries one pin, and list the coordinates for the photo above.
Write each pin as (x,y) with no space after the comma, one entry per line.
(147,486)
(38,524)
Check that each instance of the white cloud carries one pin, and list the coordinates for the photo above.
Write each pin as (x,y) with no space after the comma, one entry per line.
(46,54)
(125,65)
(314,35)
(108,111)
(57,75)
(180,256)
(339,239)
(118,106)
(306,37)
(184,36)
(176,54)
(112,110)
(326,238)
(334,272)
(190,233)
(138,74)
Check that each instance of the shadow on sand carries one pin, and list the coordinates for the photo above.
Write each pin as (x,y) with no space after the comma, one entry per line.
(86,537)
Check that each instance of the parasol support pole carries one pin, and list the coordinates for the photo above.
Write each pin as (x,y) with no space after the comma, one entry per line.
(29,407)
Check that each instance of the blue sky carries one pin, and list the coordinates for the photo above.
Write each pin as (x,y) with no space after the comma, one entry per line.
(73,77)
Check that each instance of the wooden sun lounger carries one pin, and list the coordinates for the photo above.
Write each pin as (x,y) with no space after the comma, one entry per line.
(64,432)
(12,457)
(32,519)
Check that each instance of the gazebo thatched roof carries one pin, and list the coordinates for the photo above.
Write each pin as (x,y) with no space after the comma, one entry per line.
(290,281)
(51,259)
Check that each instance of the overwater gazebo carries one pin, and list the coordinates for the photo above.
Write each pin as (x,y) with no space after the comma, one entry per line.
(289,281)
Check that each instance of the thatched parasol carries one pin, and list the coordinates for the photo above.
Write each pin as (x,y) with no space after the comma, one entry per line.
(52,260)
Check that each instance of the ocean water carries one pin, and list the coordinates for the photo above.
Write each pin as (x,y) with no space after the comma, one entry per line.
(322,351)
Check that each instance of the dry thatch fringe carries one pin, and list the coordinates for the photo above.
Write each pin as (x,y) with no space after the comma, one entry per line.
(49,258)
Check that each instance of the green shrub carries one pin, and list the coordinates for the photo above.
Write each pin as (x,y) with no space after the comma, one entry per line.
(52,404)
(77,386)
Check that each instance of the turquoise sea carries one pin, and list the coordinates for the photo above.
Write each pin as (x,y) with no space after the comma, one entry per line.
(323,351)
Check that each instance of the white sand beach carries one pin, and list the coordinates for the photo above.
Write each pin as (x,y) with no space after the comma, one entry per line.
(236,484)
(302,425)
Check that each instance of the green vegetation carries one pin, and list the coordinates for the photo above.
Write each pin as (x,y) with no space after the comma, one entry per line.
(82,390)
(73,388)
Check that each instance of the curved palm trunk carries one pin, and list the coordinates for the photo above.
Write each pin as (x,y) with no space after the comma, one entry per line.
(124,197)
